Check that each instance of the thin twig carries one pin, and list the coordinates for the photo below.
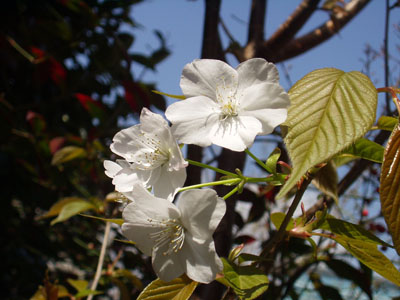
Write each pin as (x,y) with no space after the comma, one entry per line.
(101,259)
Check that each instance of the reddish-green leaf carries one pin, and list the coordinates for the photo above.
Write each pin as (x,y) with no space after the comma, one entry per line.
(390,186)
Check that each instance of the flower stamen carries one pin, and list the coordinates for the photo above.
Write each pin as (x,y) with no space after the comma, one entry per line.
(172,233)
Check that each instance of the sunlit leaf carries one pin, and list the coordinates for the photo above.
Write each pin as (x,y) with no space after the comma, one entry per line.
(68,153)
(180,288)
(180,97)
(366,149)
(72,209)
(369,255)
(329,110)
(387,123)
(390,187)
(247,282)
(326,180)
(352,231)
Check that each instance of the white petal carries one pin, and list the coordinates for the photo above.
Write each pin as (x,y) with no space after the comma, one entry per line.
(168,183)
(193,119)
(153,207)
(151,122)
(168,267)
(202,261)
(264,95)
(269,118)
(236,133)
(141,216)
(111,168)
(254,71)
(201,77)
(201,212)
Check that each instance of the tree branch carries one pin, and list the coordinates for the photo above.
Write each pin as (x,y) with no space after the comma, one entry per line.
(293,23)
(302,44)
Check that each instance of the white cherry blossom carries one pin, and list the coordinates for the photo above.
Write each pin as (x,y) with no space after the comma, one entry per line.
(152,157)
(226,106)
(179,238)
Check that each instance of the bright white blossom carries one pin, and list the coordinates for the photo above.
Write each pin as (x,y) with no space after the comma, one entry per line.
(179,238)
(151,155)
(228,107)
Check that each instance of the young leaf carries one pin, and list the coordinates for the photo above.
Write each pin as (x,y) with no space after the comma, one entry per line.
(369,255)
(366,149)
(387,123)
(79,285)
(273,159)
(326,181)
(389,188)
(277,219)
(329,110)
(72,209)
(246,281)
(57,207)
(66,154)
(180,288)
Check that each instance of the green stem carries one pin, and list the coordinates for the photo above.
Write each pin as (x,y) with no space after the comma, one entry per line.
(258,161)
(233,191)
(199,164)
(220,182)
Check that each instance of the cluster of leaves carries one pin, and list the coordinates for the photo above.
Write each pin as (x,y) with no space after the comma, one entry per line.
(66,82)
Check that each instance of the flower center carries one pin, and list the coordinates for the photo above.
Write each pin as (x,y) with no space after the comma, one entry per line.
(226,98)
(151,155)
(172,234)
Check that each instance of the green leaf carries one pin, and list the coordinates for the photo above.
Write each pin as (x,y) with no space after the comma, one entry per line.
(115,221)
(67,154)
(351,231)
(180,288)
(57,207)
(72,209)
(180,97)
(389,189)
(326,181)
(329,110)
(344,270)
(369,255)
(247,282)
(366,149)
(277,219)
(79,285)
(273,159)
(387,123)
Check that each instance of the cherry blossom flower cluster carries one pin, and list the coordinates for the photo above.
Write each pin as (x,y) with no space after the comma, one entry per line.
(224,106)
